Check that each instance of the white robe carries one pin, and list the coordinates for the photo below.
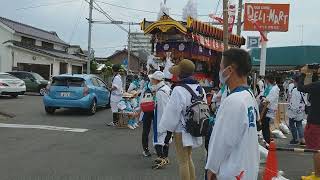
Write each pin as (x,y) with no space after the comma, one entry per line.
(116,95)
(290,88)
(296,105)
(162,98)
(173,118)
(234,146)
(261,88)
(273,98)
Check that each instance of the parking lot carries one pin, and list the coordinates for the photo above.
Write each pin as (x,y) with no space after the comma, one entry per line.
(49,148)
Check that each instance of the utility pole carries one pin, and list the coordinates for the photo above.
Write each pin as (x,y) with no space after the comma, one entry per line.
(263,55)
(239,18)
(225,24)
(129,47)
(302,35)
(89,36)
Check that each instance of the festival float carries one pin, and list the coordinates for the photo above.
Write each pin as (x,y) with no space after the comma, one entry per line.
(191,39)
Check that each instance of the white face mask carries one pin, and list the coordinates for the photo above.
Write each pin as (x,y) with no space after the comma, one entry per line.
(222,78)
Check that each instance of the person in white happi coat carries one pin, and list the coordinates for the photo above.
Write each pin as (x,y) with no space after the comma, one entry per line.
(161,138)
(173,118)
(134,85)
(221,95)
(270,96)
(233,147)
(116,93)
(296,114)
(260,88)
(290,88)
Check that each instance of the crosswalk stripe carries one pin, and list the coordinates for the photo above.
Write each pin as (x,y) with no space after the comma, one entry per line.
(44,127)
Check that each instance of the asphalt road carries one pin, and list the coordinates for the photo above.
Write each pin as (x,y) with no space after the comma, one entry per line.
(100,153)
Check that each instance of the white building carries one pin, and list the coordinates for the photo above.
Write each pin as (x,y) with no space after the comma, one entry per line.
(27,48)
(140,41)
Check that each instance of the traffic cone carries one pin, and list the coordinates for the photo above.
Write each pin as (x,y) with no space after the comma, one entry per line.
(271,169)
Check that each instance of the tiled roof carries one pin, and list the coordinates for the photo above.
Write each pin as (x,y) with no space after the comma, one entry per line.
(53,53)
(32,31)
(124,51)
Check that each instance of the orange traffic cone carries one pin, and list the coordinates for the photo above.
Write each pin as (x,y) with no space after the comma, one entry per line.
(271,169)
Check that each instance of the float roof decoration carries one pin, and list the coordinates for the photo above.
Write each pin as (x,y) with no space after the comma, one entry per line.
(167,25)
(164,24)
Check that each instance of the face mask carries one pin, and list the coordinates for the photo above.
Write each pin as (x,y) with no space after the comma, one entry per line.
(223,79)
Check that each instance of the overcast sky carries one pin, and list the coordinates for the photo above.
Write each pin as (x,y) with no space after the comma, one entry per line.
(67,18)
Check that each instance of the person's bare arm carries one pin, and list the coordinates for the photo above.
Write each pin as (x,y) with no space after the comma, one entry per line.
(211,175)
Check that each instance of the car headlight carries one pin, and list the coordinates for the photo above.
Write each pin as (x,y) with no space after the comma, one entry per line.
(22,84)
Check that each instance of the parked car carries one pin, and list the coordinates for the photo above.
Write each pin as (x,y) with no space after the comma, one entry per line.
(10,85)
(76,91)
(34,82)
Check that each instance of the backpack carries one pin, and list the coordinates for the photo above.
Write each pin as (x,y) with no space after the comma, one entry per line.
(147,102)
(197,114)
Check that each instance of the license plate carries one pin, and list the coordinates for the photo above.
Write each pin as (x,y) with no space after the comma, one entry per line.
(65,94)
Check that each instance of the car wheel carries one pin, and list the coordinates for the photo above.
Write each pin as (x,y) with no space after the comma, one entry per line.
(42,91)
(14,95)
(50,110)
(93,107)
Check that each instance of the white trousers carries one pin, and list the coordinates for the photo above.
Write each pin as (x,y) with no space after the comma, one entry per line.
(114,106)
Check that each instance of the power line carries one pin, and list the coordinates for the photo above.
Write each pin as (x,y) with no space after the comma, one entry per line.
(44,5)
(140,10)
(110,18)
(107,16)
(75,27)
(110,47)
(215,12)
(123,7)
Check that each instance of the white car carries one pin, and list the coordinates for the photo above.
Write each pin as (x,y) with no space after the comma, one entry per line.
(10,85)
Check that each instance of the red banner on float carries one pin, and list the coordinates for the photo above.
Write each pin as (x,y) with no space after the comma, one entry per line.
(208,42)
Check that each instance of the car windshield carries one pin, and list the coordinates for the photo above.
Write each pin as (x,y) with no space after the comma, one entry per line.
(6,76)
(37,76)
(68,81)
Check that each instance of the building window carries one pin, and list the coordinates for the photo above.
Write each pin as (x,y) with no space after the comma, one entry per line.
(63,68)
(28,41)
(47,45)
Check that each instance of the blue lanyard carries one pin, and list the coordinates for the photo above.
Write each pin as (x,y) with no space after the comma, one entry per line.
(239,89)
(242,88)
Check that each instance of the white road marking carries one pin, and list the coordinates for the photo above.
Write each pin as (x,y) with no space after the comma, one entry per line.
(45,127)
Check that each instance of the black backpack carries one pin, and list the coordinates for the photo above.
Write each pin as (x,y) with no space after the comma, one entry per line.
(197,114)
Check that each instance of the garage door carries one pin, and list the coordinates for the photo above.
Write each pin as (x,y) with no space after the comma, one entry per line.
(43,70)
(76,69)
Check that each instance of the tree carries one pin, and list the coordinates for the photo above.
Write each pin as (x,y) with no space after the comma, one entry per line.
(93,66)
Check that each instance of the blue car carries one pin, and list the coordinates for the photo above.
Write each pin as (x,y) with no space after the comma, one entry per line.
(76,91)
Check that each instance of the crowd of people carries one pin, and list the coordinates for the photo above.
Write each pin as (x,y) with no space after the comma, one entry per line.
(229,121)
